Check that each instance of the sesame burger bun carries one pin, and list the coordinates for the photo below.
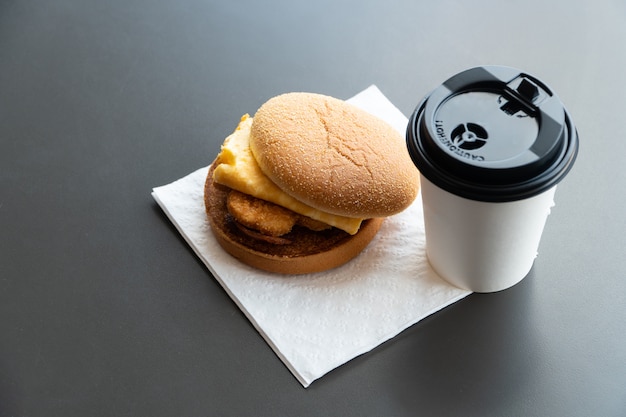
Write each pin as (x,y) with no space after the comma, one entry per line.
(331,156)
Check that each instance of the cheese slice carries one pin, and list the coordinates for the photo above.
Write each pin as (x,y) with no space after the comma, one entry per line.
(237,169)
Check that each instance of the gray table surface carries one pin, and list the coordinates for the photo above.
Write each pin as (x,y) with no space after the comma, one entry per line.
(105,310)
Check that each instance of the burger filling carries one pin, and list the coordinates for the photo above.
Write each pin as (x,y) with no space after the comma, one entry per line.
(238,170)
(266,221)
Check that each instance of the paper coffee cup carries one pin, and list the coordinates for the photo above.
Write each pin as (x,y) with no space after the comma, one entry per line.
(491,144)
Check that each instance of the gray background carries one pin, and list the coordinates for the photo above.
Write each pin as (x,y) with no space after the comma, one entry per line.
(104,309)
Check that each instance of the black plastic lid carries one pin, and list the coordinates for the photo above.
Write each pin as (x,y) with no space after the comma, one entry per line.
(492,134)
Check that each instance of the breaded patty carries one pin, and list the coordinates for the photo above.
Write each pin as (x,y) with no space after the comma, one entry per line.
(265,217)
(261,215)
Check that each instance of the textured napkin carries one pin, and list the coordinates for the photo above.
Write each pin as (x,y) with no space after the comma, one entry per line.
(318,322)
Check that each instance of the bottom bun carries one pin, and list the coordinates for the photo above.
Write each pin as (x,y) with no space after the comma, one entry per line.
(310,251)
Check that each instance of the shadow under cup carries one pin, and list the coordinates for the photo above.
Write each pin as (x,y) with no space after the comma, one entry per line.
(491,144)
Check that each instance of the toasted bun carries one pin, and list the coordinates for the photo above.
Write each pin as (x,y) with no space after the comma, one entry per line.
(309,252)
(333,156)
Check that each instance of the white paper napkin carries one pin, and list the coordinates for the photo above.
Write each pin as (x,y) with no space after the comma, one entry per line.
(318,322)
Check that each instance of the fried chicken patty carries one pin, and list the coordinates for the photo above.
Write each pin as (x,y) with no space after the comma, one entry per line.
(265,217)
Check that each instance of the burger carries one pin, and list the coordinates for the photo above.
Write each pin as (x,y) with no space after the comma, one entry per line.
(305,184)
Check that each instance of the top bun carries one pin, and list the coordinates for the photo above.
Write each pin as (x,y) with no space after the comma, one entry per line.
(333,156)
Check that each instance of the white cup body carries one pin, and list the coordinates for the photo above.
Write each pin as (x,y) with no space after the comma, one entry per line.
(482,246)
